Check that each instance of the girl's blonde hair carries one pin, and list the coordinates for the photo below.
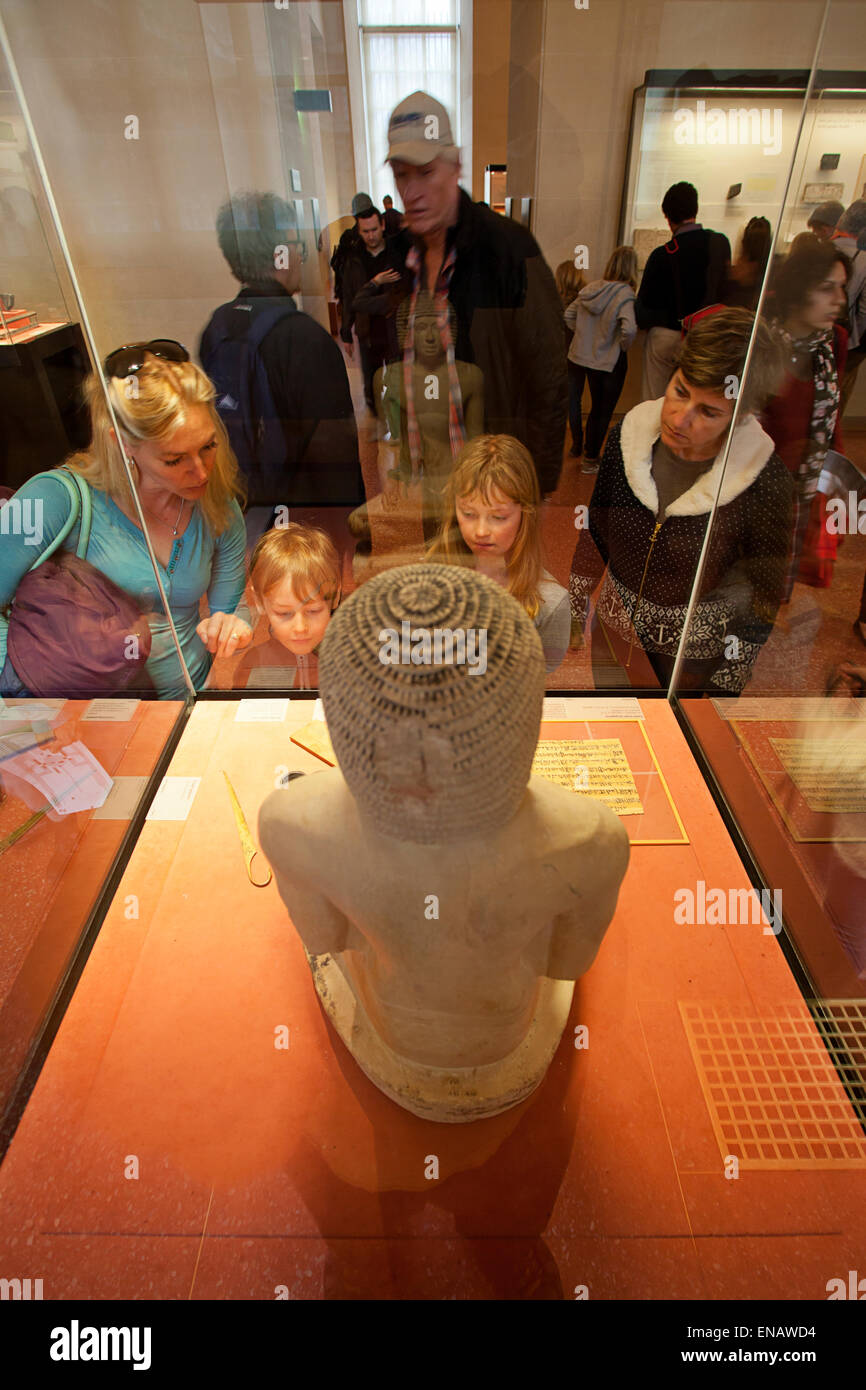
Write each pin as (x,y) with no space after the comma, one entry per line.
(488,462)
(569,282)
(622,266)
(153,404)
(304,554)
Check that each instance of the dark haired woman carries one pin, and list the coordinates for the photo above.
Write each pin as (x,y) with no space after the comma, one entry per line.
(661,472)
(803,418)
(746,275)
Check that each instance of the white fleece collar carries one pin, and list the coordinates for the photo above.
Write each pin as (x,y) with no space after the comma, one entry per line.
(751,447)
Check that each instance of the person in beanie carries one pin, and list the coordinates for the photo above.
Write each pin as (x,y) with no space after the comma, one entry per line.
(491,270)
(351,240)
(824,218)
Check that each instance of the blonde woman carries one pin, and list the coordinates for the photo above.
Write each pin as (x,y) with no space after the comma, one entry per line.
(186,478)
(604,328)
(491,523)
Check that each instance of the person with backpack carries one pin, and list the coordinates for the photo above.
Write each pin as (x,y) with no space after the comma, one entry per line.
(684,275)
(282,389)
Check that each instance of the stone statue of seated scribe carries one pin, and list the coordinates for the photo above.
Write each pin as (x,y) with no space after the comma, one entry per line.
(447,900)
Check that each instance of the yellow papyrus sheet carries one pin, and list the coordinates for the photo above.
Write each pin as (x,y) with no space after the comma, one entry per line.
(830,773)
(591,767)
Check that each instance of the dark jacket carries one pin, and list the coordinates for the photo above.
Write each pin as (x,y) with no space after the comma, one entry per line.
(374,323)
(311,396)
(649,569)
(684,275)
(509,322)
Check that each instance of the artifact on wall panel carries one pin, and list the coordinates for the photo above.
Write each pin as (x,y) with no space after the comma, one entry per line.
(823,192)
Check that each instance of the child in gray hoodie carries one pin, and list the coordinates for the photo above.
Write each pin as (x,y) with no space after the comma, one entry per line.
(602,317)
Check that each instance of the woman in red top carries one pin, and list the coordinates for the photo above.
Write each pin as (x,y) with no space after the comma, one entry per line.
(803,419)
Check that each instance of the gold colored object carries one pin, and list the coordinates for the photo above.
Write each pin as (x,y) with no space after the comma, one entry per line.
(22,830)
(247,843)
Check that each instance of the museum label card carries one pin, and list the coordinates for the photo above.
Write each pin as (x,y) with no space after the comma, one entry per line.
(122,800)
(573,708)
(590,767)
(174,799)
(769,707)
(825,773)
(261,711)
(111,711)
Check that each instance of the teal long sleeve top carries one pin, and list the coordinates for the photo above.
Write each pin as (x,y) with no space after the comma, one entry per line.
(200,563)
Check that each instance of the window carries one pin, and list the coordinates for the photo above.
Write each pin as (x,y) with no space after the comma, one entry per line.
(404,45)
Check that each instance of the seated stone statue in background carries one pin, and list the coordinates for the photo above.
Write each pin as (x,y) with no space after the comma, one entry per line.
(447,900)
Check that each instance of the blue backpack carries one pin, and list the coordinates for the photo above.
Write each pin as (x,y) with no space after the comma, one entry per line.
(244,400)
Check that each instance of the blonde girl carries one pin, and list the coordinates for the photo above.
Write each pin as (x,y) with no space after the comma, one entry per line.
(491,523)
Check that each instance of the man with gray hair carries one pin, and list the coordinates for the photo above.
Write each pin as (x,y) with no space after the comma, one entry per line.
(282,389)
(490,270)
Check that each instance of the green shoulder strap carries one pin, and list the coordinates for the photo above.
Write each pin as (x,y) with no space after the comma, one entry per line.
(80,505)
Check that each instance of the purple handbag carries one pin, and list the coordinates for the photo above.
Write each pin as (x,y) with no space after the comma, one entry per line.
(72,630)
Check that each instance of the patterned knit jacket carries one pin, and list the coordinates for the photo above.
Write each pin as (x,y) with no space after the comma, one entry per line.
(649,568)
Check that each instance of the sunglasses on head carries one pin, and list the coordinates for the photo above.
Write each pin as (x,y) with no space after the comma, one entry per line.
(127,360)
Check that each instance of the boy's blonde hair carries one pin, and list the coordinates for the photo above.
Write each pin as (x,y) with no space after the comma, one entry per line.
(153,404)
(304,554)
(496,461)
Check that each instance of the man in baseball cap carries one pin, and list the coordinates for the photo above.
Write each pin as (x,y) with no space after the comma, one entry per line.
(490,271)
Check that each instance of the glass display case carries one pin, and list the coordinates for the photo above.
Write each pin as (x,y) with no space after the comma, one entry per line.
(263,428)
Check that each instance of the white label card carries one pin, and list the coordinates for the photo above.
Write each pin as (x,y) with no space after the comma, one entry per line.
(261,711)
(111,711)
(174,799)
(617,707)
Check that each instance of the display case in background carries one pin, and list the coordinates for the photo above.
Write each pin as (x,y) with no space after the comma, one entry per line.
(43,358)
(753,146)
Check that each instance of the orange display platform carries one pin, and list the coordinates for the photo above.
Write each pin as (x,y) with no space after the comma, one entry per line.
(52,876)
(199,1132)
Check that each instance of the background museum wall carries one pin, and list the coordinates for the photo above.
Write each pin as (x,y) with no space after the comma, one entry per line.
(592,60)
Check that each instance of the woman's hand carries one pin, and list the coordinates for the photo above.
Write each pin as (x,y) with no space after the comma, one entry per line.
(223,634)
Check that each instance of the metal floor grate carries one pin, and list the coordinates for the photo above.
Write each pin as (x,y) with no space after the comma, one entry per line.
(842,1025)
(774,1097)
